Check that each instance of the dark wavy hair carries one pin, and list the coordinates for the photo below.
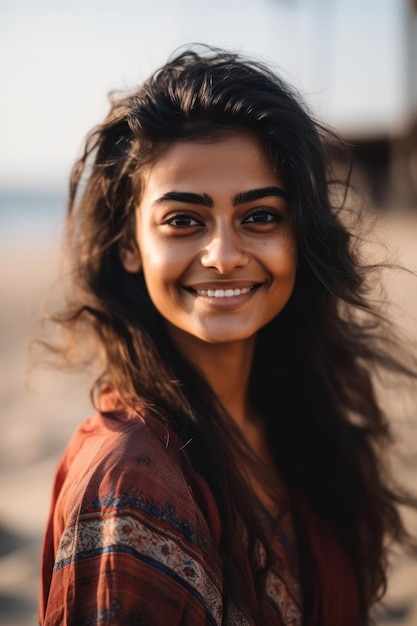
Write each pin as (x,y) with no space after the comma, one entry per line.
(312,377)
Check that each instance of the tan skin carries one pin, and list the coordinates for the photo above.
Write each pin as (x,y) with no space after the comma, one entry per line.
(216,247)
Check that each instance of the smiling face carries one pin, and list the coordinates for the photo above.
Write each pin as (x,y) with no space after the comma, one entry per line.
(214,237)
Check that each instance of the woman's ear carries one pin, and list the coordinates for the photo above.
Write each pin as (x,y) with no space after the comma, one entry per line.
(131,260)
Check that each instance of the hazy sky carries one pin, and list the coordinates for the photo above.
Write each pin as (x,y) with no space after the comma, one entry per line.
(59,59)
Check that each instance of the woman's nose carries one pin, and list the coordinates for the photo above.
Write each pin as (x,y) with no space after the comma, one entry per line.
(224,251)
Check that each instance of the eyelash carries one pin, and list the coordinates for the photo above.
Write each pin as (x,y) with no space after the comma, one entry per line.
(184,217)
(271,215)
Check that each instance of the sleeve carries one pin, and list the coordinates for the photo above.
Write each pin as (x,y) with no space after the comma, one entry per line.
(130,555)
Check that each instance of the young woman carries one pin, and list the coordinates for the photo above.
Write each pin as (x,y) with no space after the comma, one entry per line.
(234,471)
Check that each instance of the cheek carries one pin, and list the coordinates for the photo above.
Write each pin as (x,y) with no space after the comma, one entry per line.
(168,257)
(289,252)
(157,258)
(281,258)
(162,268)
(290,260)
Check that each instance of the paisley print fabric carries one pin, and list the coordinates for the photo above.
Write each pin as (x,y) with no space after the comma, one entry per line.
(133,537)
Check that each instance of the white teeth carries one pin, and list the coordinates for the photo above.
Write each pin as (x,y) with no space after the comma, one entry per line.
(223,293)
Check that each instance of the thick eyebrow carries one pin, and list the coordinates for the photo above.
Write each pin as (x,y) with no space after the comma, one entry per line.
(204,199)
(258,194)
(187,197)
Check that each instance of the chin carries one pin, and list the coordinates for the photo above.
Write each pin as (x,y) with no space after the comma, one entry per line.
(224,337)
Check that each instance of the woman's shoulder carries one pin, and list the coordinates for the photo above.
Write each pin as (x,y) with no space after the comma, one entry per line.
(135,466)
(133,522)
(121,450)
(117,438)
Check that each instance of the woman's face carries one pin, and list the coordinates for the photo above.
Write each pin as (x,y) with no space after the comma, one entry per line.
(215,241)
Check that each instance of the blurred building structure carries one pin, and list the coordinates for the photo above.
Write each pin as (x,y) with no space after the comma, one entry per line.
(387,153)
(358,59)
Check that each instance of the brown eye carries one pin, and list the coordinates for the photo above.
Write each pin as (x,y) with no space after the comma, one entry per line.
(182,220)
(263,216)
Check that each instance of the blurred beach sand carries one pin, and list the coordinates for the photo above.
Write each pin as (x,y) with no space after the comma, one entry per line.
(37,422)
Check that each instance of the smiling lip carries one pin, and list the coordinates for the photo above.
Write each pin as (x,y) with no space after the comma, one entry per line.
(228,292)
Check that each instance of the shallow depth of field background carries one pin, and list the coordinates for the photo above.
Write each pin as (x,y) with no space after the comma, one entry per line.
(353,61)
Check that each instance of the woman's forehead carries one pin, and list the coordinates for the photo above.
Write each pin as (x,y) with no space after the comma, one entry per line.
(237,159)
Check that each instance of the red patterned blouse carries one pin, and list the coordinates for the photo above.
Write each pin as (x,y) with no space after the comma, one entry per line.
(132,539)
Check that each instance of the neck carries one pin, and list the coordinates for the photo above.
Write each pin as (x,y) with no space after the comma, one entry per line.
(227,368)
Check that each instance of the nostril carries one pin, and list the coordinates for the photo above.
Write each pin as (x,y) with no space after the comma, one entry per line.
(224,253)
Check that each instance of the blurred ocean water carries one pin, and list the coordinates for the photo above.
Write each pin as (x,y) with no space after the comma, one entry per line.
(27,213)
